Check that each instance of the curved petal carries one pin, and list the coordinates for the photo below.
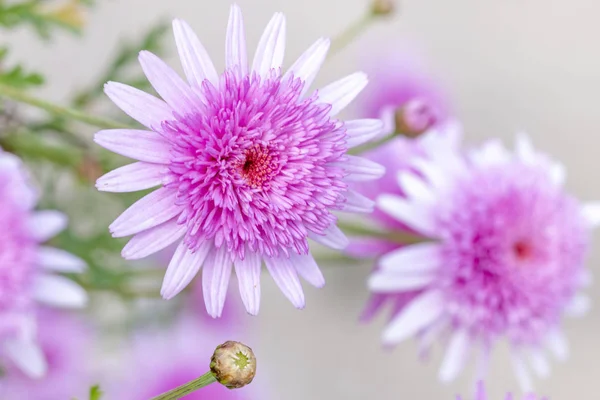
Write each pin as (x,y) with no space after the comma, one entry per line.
(521,372)
(539,363)
(455,357)
(59,291)
(235,42)
(248,274)
(132,177)
(333,237)
(59,260)
(46,224)
(386,282)
(591,213)
(308,269)
(357,203)
(141,106)
(27,356)
(415,189)
(149,211)
(184,265)
(137,144)
(309,63)
(421,258)
(360,168)
(341,93)
(271,47)
(215,280)
(361,131)
(154,239)
(286,278)
(557,343)
(195,60)
(416,216)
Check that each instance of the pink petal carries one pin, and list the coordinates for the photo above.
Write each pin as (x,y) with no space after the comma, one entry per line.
(184,265)
(356,202)
(132,177)
(46,224)
(360,168)
(149,211)
(27,356)
(168,84)
(141,106)
(248,274)
(333,237)
(421,258)
(59,291)
(215,280)
(539,363)
(308,269)
(309,63)
(341,93)
(271,46)
(520,369)
(455,357)
(59,260)
(140,145)
(235,42)
(557,343)
(413,215)
(415,189)
(286,278)
(368,247)
(195,60)
(361,131)
(154,239)
(390,282)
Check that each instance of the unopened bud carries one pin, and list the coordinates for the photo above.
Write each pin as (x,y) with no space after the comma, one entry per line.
(415,118)
(233,364)
(382,7)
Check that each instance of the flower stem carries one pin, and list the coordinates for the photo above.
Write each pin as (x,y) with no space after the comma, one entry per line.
(187,388)
(22,97)
(402,237)
(353,31)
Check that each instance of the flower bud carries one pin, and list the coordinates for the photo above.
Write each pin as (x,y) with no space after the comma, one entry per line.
(233,364)
(382,7)
(415,118)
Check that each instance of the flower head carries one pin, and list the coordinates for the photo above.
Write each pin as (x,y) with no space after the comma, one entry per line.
(233,364)
(481,395)
(250,167)
(27,268)
(505,257)
(65,341)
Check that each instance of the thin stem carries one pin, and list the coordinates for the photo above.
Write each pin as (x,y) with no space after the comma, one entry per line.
(373,145)
(22,97)
(187,388)
(402,237)
(353,31)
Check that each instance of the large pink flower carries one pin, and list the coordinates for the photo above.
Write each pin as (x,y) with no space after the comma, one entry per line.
(505,260)
(27,268)
(250,167)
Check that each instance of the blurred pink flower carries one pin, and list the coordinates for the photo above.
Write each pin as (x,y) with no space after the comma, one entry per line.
(250,167)
(481,395)
(506,259)
(66,342)
(27,269)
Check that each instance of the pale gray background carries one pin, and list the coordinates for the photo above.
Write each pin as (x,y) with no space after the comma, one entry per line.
(509,64)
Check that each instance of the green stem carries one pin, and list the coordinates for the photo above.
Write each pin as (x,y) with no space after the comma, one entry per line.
(394,236)
(22,97)
(372,145)
(187,388)
(353,31)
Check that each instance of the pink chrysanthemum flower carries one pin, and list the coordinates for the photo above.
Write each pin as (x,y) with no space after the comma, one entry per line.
(27,268)
(65,341)
(506,259)
(250,167)
(481,395)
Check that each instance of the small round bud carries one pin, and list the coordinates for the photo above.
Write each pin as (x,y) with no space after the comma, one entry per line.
(382,7)
(233,364)
(415,118)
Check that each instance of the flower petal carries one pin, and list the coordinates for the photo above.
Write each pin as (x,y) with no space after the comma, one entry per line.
(308,269)
(215,280)
(591,213)
(286,278)
(168,84)
(132,177)
(415,189)
(361,131)
(360,168)
(195,60)
(333,237)
(235,46)
(154,239)
(520,368)
(140,145)
(141,106)
(557,343)
(341,93)
(46,224)
(539,363)
(184,265)
(579,306)
(27,356)
(421,312)
(455,357)
(248,274)
(415,216)
(357,203)
(59,291)
(59,260)
(149,211)
(386,282)
(271,47)
(421,258)
(309,63)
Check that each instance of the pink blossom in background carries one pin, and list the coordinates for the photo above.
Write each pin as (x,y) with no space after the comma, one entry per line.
(506,259)
(162,359)
(251,166)
(28,269)
(481,395)
(67,343)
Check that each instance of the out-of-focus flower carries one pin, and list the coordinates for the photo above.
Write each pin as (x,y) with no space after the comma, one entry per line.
(481,395)
(400,93)
(27,268)
(66,342)
(250,167)
(505,260)
(162,360)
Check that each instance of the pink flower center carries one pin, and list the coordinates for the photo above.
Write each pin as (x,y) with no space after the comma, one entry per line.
(258,166)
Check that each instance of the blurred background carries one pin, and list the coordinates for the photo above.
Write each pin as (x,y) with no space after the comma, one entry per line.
(506,66)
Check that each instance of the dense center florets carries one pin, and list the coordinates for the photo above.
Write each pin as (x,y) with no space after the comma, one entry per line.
(513,245)
(252,167)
